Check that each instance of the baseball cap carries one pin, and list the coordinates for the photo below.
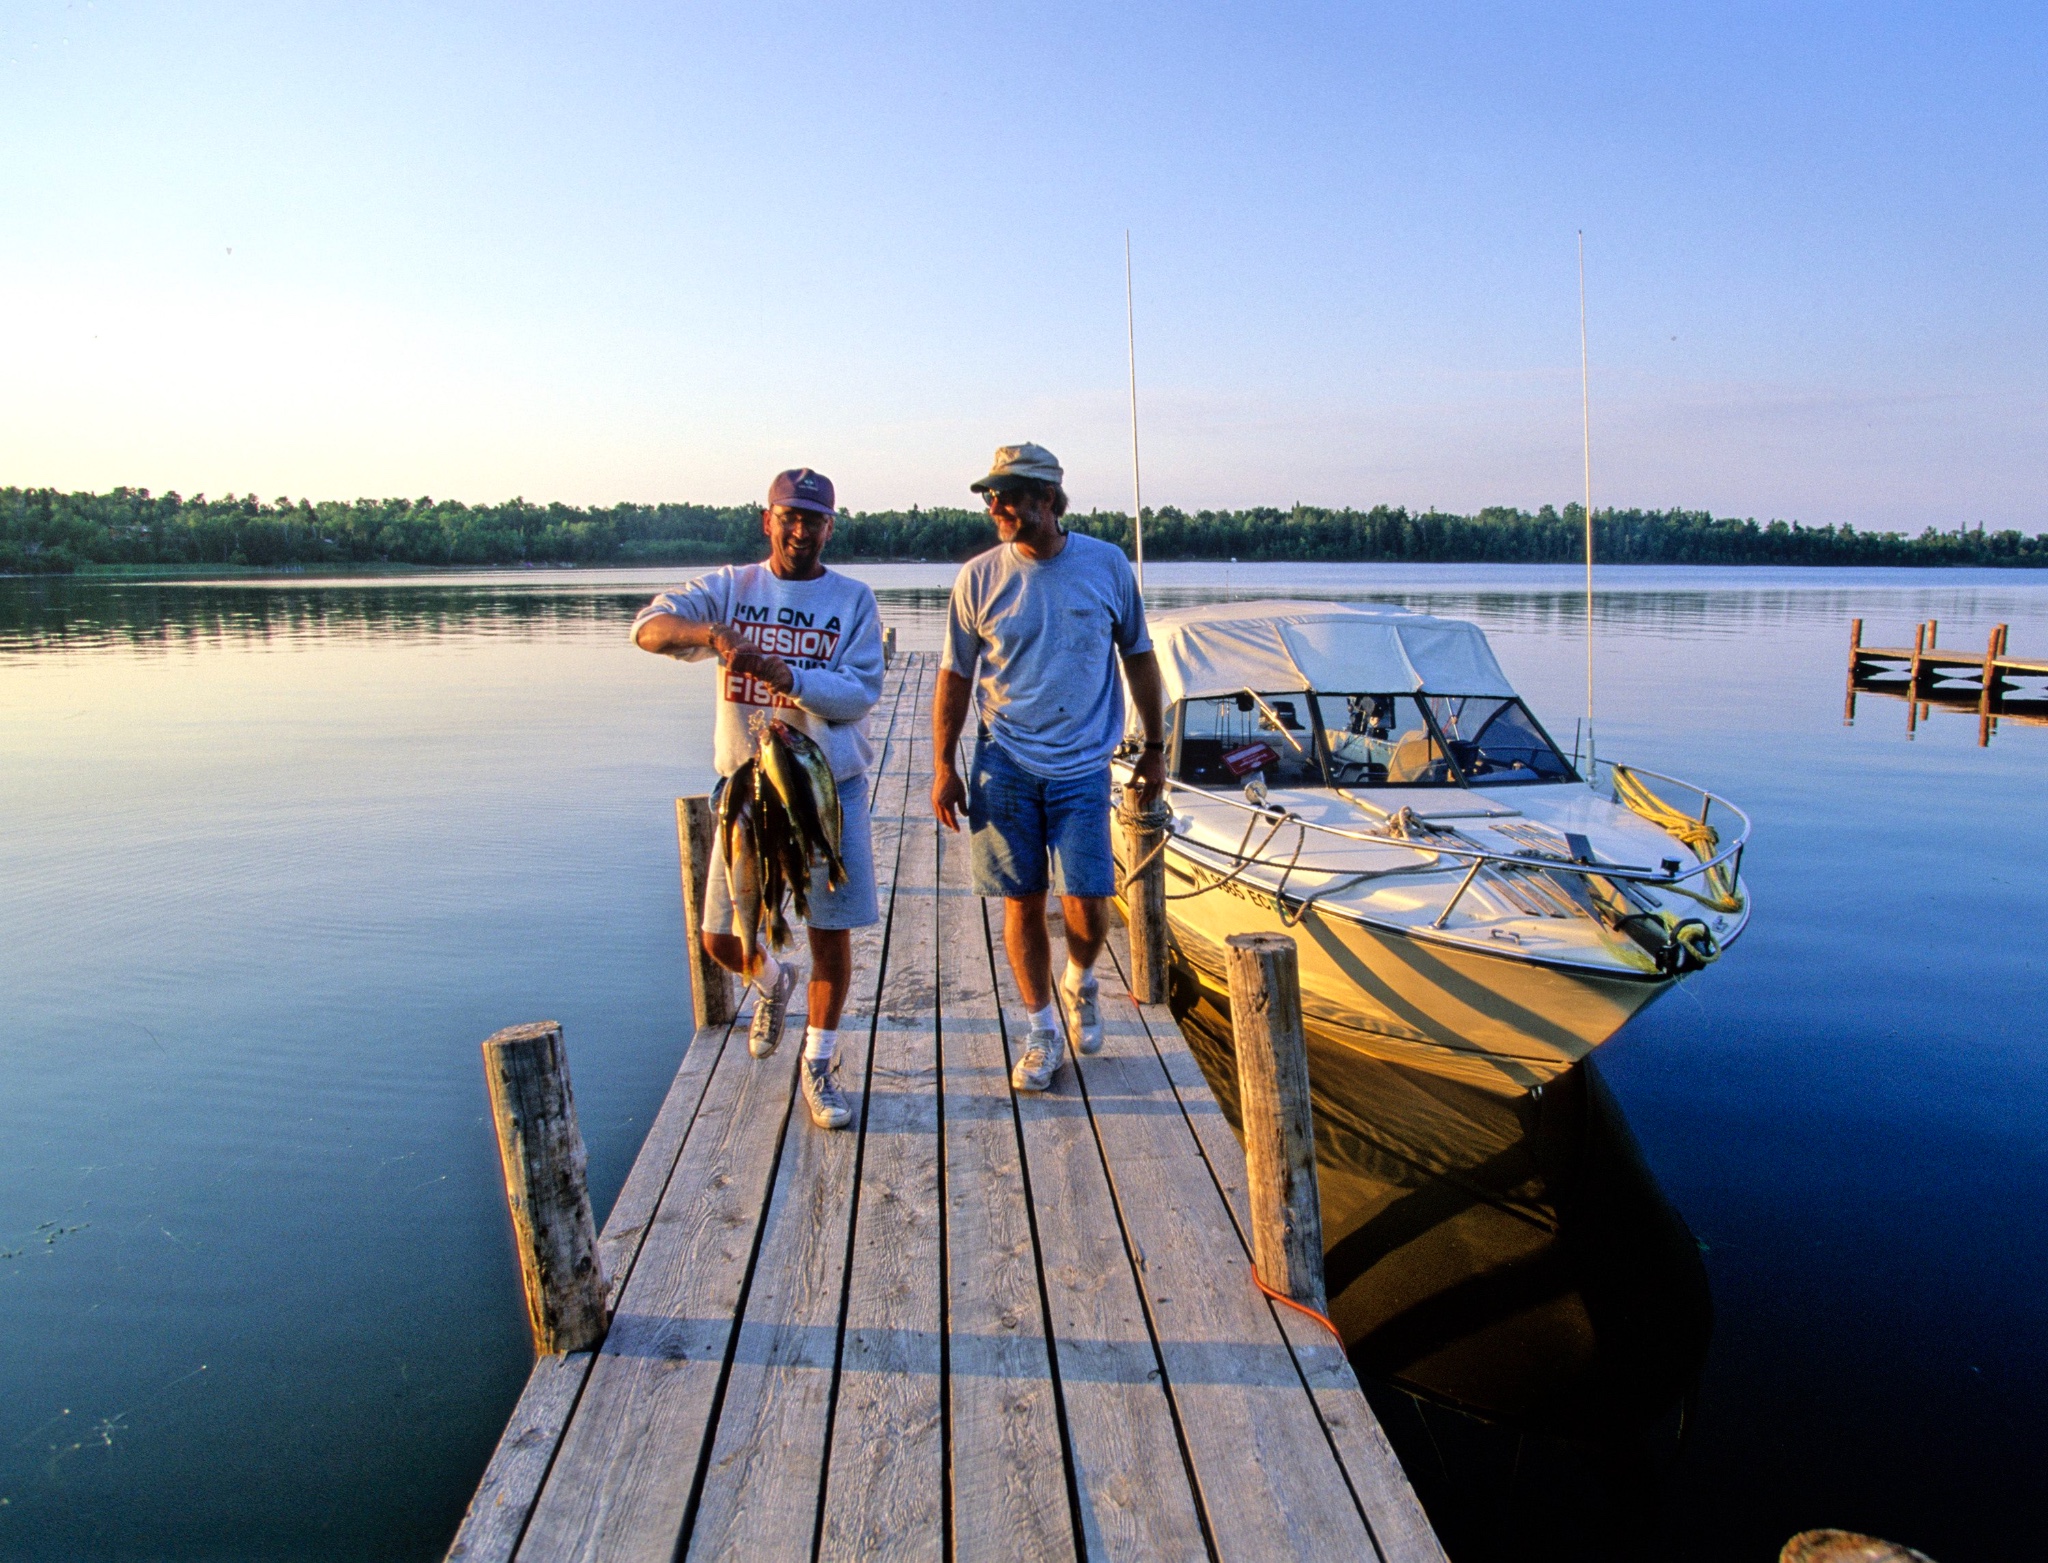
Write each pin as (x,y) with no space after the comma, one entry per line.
(802,489)
(1016,462)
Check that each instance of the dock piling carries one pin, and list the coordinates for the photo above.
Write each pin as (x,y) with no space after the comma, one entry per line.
(888,644)
(1987,694)
(1279,1133)
(1855,671)
(527,1070)
(1145,896)
(711,994)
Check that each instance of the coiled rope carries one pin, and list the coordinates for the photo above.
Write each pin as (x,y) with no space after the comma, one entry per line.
(1722,893)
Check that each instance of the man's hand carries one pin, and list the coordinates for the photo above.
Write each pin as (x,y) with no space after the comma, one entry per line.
(766,666)
(949,715)
(1141,673)
(1148,776)
(949,796)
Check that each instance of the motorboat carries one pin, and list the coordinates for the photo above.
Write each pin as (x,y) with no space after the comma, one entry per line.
(1466,897)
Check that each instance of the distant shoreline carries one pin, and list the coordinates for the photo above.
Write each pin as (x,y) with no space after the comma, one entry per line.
(230,575)
(43,532)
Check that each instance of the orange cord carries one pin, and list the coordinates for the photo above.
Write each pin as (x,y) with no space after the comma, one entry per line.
(1282,1297)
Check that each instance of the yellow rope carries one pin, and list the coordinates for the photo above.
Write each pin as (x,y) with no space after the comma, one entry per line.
(1722,894)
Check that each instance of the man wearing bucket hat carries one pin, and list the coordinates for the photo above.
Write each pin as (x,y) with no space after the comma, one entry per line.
(804,643)
(1037,629)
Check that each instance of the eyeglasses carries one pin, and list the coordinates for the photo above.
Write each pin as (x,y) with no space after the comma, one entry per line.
(794,515)
(1007,499)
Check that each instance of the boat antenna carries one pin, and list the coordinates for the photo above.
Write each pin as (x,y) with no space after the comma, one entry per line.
(1586,419)
(1137,488)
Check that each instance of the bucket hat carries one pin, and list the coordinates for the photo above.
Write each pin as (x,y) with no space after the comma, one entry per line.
(1020,463)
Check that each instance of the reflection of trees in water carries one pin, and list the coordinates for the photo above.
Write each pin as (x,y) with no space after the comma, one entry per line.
(82,615)
(1680,612)
(82,612)
(1513,1286)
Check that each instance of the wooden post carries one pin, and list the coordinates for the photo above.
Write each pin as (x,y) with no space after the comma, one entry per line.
(1273,1100)
(888,644)
(527,1069)
(1913,668)
(711,992)
(1994,643)
(1855,667)
(1145,899)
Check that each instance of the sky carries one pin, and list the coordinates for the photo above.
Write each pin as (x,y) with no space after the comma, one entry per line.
(627,251)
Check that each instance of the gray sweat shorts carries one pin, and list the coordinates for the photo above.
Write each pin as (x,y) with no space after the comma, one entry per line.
(852,905)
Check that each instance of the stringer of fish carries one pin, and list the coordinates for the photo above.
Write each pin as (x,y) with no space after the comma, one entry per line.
(779,814)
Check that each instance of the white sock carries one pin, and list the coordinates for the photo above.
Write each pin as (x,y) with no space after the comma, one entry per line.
(820,1043)
(771,973)
(1047,1019)
(1078,977)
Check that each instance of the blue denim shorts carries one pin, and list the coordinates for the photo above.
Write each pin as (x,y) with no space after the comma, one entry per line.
(1017,821)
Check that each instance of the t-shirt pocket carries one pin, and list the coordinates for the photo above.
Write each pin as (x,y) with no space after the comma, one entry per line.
(1080,631)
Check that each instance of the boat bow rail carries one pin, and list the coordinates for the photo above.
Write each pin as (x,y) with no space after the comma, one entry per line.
(1446,844)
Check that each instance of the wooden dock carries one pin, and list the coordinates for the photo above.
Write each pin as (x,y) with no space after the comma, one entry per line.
(976,1324)
(1927,675)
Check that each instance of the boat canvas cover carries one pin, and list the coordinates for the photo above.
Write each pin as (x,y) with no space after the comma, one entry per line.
(1220,648)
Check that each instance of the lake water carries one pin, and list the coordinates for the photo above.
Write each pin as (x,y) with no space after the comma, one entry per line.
(278,855)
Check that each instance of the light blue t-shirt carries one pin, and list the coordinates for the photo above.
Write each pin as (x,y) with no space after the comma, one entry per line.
(1046,638)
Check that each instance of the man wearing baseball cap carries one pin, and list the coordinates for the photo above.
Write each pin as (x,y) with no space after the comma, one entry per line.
(1038,627)
(804,643)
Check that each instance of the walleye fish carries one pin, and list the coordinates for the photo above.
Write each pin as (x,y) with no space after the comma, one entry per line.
(743,865)
(797,769)
(736,794)
(772,848)
(783,843)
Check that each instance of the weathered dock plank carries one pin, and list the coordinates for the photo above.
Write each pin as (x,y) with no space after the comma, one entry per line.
(622,1481)
(498,1514)
(885,1479)
(768,1459)
(1137,1499)
(1009,1482)
(1400,1528)
(1269,1484)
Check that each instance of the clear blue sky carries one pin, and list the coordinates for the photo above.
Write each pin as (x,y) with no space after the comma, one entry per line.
(636,251)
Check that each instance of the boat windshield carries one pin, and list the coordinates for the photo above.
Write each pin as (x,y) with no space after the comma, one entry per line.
(1495,740)
(1382,741)
(1297,738)
(1239,738)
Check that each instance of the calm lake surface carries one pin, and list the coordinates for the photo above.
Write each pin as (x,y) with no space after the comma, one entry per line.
(278,855)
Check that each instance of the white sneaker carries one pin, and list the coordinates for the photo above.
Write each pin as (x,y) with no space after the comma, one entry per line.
(829,1108)
(771,1009)
(1044,1052)
(1084,1016)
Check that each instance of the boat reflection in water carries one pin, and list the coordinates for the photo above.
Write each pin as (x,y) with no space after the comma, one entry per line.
(1509,1262)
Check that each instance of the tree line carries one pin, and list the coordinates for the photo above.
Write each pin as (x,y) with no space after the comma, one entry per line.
(44,531)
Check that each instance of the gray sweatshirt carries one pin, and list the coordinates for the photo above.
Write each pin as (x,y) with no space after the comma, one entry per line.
(828,631)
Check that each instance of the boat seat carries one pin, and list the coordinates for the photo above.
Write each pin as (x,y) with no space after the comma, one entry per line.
(1416,758)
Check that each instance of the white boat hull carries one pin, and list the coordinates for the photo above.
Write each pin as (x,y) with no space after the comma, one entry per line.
(1501,1022)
